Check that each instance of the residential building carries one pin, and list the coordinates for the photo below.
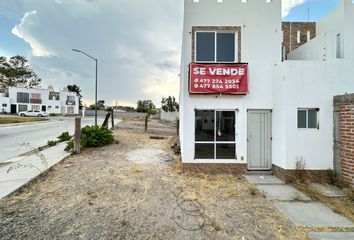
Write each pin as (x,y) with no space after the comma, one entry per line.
(242,107)
(50,101)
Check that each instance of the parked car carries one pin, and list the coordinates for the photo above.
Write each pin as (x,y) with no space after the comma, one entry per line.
(33,113)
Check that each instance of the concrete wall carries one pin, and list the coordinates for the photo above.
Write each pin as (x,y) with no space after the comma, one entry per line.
(169,116)
(103,113)
(258,20)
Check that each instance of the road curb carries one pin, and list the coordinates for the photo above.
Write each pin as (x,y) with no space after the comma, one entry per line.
(27,123)
(41,174)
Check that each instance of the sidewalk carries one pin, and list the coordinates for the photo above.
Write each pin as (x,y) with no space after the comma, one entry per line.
(300,208)
(21,170)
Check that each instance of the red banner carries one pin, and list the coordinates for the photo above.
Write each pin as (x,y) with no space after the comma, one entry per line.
(218,78)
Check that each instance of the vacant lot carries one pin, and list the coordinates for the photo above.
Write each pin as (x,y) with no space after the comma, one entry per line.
(136,190)
(7,120)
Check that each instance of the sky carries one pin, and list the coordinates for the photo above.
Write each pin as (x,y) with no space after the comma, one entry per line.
(137,43)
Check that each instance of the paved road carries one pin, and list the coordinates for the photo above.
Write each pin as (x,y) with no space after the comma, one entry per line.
(36,135)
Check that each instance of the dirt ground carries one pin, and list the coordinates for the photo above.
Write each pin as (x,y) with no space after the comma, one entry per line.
(136,190)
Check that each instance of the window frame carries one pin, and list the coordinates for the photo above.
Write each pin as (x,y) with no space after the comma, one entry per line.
(23,97)
(236,45)
(217,29)
(307,118)
(215,142)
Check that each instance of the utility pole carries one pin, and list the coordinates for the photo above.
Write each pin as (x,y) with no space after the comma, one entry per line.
(96,60)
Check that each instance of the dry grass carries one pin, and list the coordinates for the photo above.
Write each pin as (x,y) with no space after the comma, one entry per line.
(100,195)
(8,120)
(342,206)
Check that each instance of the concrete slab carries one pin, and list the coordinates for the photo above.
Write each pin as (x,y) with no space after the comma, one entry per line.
(263,179)
(283,193)
(328,190)
(331,235)
(312,214)
(23,170)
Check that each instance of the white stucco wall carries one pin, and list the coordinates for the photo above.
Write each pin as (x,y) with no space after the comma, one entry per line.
(261,23)
(309,84)
(4,101)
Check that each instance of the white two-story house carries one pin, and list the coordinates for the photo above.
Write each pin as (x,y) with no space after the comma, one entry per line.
(244,109)
(50,101)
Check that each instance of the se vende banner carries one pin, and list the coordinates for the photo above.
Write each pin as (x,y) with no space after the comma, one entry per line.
(218,78)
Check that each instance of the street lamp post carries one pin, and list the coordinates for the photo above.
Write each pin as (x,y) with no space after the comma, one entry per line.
(96,60)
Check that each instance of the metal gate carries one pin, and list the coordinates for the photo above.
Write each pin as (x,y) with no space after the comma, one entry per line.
(259,139)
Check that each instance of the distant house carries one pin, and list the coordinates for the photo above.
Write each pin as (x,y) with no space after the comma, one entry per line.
(23,99)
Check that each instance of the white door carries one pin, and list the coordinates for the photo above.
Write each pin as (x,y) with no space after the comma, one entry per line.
(259,140)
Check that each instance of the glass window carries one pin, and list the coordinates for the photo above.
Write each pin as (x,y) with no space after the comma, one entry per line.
(22,108)
(225,126)
(204,151)
(35,95)
(301,119)
(307,118)
(226,47)
(312,118)
(204,126)
(4,105)
(54,96)
(22,97)
(219,45)
(225,151)
(71,98)
(215,139)
(205,48)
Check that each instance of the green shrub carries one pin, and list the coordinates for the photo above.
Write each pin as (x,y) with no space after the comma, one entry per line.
(69,146)
(95,136)
(53,115)
(51,143)
(65,136)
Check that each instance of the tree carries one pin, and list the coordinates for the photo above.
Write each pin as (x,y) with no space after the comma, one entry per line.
(16,72)
(100,103)
(169,104)
(76,89)
(146,106)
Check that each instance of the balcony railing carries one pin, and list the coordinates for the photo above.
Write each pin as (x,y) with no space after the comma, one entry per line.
(70,103)
(36,101)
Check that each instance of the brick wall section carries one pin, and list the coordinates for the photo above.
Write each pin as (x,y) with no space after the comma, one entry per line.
(346,122)
(290,34)
(345,105)
(290,176)
(215,168)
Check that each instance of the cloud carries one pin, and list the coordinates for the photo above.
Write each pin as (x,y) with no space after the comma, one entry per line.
(137,44)
(22,30)
(287,5)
